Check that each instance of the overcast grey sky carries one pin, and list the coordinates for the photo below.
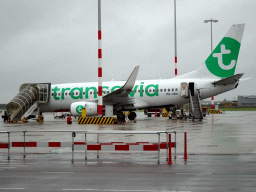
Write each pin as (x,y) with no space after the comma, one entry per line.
(56,41)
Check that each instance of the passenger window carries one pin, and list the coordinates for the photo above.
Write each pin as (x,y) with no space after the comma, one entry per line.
(172,89)
(176,89)
(168,90)
(146,90)
(59,94)
(66,93)
(161,90)
(153,90)
(69,93)
(149,90)
(55,94)
(164,90)
(157,90)
(84,93)
(142,91)
(52,94)
(138,91)
(76,93)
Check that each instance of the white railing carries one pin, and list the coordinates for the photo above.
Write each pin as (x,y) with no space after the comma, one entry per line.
(73,135)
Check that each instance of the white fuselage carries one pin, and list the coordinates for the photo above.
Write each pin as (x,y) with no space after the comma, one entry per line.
(147,93)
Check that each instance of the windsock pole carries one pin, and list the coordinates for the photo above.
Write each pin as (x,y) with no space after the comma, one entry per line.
(100,103)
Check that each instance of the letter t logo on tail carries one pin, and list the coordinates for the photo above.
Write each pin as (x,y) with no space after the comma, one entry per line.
(222,61)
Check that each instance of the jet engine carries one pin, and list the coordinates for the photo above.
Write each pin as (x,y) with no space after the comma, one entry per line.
(91,108)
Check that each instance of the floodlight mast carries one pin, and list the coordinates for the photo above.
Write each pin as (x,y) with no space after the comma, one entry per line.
(211,20)
(175,39)
(215,21)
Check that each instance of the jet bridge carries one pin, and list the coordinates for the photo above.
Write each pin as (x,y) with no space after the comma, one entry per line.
(28,100)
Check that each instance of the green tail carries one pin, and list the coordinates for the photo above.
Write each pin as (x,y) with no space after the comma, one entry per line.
(222,61)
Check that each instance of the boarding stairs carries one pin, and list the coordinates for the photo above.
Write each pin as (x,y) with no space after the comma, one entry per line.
(195,105)
(26,103)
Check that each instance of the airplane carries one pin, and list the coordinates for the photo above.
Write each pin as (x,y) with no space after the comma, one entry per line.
(215,76)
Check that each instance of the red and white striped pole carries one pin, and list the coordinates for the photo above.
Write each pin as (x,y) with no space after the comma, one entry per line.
(212,102)
(175,39)
(100,105)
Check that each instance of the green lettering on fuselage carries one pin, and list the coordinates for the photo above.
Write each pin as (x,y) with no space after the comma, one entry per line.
(63,92)
(153,93)
(55,92)
(105,87)
(132,94)
(80,93)
(114,88)
(87,92)
(141,89)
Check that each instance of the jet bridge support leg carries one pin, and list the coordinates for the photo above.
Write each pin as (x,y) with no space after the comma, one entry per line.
(40,117)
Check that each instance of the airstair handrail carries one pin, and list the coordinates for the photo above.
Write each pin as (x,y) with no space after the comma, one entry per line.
(198,97)
(191,102)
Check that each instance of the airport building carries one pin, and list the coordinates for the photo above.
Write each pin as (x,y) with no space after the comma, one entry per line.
(246,101)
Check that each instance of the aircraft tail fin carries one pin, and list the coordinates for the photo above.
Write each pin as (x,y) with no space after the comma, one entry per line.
(221,63)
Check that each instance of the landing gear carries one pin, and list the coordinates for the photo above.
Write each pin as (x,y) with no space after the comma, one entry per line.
(121,118)
(132,116)
(5,116)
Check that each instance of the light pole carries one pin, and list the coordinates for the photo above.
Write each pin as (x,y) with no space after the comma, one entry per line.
(100,104)
(211,20)
(175,40)
(215,21)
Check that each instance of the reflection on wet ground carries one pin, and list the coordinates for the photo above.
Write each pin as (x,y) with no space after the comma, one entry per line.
(221,157)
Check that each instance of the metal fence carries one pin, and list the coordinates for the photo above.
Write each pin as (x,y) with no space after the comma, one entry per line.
(97,147)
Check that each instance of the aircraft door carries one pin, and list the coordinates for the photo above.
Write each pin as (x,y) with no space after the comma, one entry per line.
(184,89)
(44,92)
(191,87)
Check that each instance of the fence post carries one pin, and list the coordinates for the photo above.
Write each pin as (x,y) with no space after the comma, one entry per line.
(170,149)
(158,162)
(167,146)
(185,146)
(73,135)
(85,146)
(24,144)
(8,145)
(98,139)
(175,144)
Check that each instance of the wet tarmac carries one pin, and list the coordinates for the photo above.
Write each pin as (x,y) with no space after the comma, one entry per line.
(221,157)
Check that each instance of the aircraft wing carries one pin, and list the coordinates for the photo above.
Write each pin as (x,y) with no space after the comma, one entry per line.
(229,80)
(121,96)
